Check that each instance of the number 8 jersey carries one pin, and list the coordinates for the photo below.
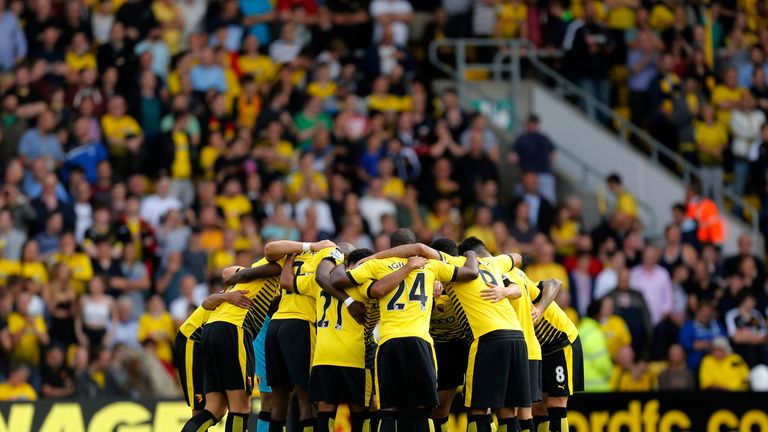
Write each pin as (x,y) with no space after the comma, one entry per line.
(406,310)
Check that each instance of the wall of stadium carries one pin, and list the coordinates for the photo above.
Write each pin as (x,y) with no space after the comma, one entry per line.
(619,412)
(570,128)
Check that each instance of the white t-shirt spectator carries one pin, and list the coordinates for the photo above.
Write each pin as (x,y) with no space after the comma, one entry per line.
(154,207)
(745,129)
(372,209)
(394,7)
(322,213)
(283,51)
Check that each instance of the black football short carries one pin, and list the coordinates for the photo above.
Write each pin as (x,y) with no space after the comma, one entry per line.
(340,384)
(563,371)
(406,375)
(188,359)
(289,348)
(497,372)
(227,358)
(451,363)
(534,374)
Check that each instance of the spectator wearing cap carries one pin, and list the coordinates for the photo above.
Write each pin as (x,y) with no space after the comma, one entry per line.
(13,41)
(534,151)
(722,369)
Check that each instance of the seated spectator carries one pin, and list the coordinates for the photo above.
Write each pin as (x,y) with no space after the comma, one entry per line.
(723,370)
(697,334)
(677,376)
(598,366)
(613,326)
(631,306)
(98,379)
(629,376)
(747,330)
(156,325)
(545,266)
(126,328)
(17,387)
(58,380)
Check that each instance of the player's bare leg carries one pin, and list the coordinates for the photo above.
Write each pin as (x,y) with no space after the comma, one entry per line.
(540,415)
(239,410)
(479,420)
(326,417)
(215,409)
(507,418)
(306,410)
(558,413)
(440,414)
(265,414)
(281,397)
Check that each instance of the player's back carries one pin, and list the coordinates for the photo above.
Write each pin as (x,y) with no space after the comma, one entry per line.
(523,306)
(480,315)
(302,307)
(260,292)
(554,330)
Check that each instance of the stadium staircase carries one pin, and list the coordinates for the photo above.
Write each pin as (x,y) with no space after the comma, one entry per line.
(519,81)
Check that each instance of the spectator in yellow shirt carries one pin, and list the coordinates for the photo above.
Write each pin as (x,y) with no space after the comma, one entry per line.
(79,56)
(483,228)
(28,332)
(392,186)
(629,376)
(564,232)
(156,325)
(17,387)
(722,369)
(545,266)
(123,134)
(298,182)
(626,206)
(727,96)
(512,19)
(323,87)
(179,147)
(614,328)
(233,203)
(252,62)
(78,263)
(31,265)
(711,139)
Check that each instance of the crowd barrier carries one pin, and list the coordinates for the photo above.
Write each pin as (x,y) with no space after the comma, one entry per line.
(617,412)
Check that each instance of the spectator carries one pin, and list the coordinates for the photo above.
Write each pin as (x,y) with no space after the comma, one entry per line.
(631,306)
(395,13)
(545,266)
(13,42)
(62,307)
(208,75)
(608,278)
(654,283)
(186,301)
(96,313)
(704,212)
(41,142)
(642,72)
(626,205)
(697,334)
(746,123)
(28,332)
(534,152)
(374,205)
(124,136)
(135,281)
(629,376)
(540,211)
(58,380)
(156,326)
(614,328)
(732,263)
(17,388)
(479,131)
(747,330)
(126,328)
(97,379)
(168,277)
(11,237)
(285,49)
(155,206)
(727,96)
(597,359)
(723,370)
(677,376)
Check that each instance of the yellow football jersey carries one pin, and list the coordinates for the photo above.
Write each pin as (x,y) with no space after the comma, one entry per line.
(340,339)
(293,306)
(260,292)
(192,327)
(444,326)
(554,330)
(523,306)
(406,310)
(479,315)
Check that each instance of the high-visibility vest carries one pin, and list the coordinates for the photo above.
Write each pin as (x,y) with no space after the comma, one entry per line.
(711,228)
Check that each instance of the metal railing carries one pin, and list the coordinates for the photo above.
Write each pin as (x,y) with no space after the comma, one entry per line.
(514,50)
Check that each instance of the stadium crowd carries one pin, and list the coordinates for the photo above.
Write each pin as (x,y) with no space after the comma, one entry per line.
(148,144)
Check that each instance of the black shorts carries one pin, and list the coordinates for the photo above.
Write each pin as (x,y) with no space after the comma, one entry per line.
(563,371)
(534,374)
(451,363)
(497,371)
(406,375)
(339,384)
(227,358)
(188,360)
(288,350)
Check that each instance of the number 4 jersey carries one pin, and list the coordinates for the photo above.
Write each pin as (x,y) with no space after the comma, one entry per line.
(406,310)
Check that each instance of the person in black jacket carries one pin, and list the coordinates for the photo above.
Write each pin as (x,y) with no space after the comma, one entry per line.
(540,209)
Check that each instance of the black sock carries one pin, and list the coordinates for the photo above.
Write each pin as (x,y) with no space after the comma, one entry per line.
(375,419)
(509,425)
(420,420)
(237,422)
(441,424)
(357,420)
(387,422)
(276,426)
(200,422)
(526,426)
(541,423)
(307,425)
(558,419)
(325,421)
(479,423)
